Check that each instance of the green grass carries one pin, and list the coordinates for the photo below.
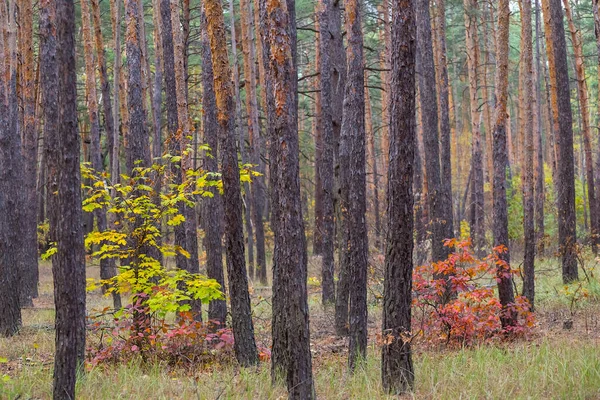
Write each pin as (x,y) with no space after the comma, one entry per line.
(555,364)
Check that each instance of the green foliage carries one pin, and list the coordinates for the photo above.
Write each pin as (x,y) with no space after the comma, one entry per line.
(134,238)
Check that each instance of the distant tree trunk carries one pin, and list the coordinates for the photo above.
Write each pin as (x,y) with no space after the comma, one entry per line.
(372,155)
(256,189)
(539,165)
(328,144)
(239,133)
(353,185)
(477,202)
(582,92)
(420,205)
(115,11)
(500,226)
(290,327)
(320,23)
(526,106)
(185,132)
(59,86)
(212,207)
(384,64)
(30,273)
(445,127)
(596,12)
(10,196)
(243,329)
(396,365)
(563,121)
(431,139)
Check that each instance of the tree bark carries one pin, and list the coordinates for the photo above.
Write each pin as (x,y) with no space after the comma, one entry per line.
(68,264)
(243,329)
(500,226)
(526,106)
(291,355)
(556,47)
(540,183)
(396,365)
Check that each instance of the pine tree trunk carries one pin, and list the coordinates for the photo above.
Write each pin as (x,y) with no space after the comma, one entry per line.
(320,23)
(212,207)
(563,119)
(68,264)
(500,226)
(527,172)
(372,155)
(396,365)
(540,183)
(291,355)
(243,329)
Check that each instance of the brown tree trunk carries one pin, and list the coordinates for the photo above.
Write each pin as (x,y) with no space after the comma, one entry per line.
(30,273)
(115,11)
(353,185)
(372,155)
(290,327)
(59,88)
(320,23)
(326,168)
(500,226)
(540,183)
(582,92)
(10,160)
(396,365)
(527,172)
(563,119)
(212,207)
(243,329)
(477,202)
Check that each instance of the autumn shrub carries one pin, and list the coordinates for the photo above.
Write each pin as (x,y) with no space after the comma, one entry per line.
(454,300)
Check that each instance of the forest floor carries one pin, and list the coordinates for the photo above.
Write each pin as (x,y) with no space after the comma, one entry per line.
(553,364)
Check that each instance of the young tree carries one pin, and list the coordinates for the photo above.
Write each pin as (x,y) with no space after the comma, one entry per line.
(354,244)
(59,96)
(243,329)
(500,226)
(526,107)
(562,116)
(291,355)
(540,183)
(396,364)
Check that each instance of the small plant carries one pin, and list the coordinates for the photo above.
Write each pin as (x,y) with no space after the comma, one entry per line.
(455,302)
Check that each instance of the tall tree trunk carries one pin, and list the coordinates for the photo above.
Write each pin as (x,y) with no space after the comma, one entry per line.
(500,226)
(10,160)
(429,118)
(115,12)
(212,207)
(243,329)
(290,327)
(30,273)
(320,23)
(596,12)
(68,264)
(328,144)
(477,203)
(239,133)
(526,106)
(582,92)
(556,47)
(185,132)
(396,365)
(353,185)
(539,164)
(372,155)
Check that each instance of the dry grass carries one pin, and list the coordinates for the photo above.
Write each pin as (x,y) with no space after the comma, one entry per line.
(555,364)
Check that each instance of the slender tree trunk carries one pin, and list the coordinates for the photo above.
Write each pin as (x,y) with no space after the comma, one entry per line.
(372,155)
(243,329)
(582,92)
(328,144)
(596,12)
(290,327)
(115,11)
(539,167)
(30,273)
(563,122)
(10,159)
(353,185)
(320,24)
(396,365)
(477,204)
(526,106)
(212,206)
(505,284)
(68,264)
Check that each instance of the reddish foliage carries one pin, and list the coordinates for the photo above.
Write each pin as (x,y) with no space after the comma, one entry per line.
(453,305)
